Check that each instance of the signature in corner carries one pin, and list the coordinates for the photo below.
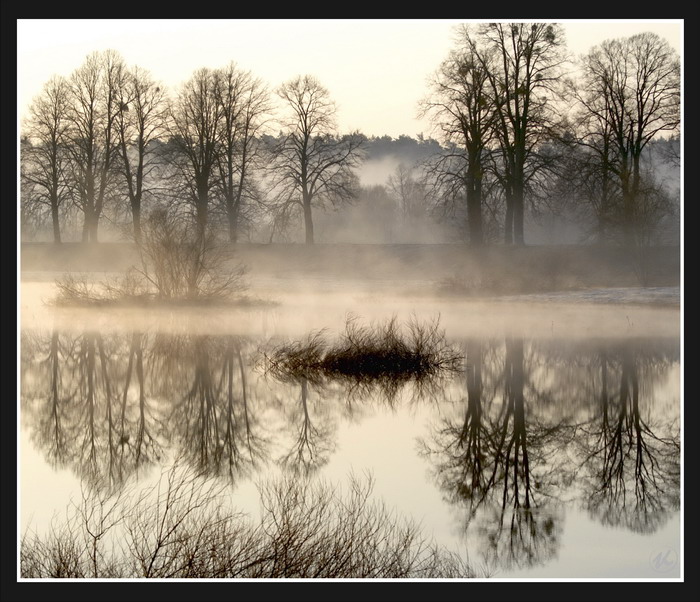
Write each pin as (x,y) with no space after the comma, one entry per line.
(664,561)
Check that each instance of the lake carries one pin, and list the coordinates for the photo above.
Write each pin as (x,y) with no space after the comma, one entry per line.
(553,452)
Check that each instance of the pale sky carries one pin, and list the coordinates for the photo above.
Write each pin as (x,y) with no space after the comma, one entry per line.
(375,70)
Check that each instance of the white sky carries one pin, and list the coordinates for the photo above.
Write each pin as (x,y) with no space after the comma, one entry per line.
(376,70)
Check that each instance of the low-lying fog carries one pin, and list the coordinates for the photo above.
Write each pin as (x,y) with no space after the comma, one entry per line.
(558,348)
(293,311)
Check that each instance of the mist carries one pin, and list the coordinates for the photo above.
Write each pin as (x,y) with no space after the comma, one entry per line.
(230,307)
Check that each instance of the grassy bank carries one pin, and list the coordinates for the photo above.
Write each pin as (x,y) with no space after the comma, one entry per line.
(456,267)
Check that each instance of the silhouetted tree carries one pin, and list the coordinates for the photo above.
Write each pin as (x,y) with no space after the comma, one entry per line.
(312,164)
(465,111)
(195,128)
(630,92)
(523,64)
(244,103)
(140,121)
(93,141)
(44,152)
(409,192)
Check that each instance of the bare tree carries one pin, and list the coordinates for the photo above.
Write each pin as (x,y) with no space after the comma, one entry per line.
(523,76)
(312,164)
(93,110)
(594,170)
(463,109)
(631,89)
(408,191)
(140,121)
(44,156)
(243,102)
(184,527)
(195,120)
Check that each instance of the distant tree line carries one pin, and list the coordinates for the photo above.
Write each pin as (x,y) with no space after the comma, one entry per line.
(520,130)
(518,133)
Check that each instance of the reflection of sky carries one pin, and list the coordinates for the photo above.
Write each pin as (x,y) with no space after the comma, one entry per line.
(587,549)
(384,442)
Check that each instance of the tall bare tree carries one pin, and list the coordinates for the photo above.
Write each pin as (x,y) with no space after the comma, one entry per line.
(631,90)
(523,76)
(44,157)
(195,121)
(312,164)
(590,176)
(244,103)
(139,122)
(463,109)
(93,110)
(408,191)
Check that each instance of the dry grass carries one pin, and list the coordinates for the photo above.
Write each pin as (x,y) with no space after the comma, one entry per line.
(385,355)
(177,265)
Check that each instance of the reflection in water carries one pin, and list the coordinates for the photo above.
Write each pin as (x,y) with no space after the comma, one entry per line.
(91,418)
(540,425)
(313,439)
(212,421)
(513,458)
(631,465)
(492,462)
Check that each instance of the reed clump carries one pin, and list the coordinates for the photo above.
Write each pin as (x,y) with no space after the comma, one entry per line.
(385,352)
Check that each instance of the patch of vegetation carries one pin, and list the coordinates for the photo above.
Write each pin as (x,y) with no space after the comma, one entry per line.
(178,265)
(183,527)
(385,354)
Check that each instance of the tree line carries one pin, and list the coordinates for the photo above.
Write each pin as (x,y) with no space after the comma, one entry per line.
(517,129)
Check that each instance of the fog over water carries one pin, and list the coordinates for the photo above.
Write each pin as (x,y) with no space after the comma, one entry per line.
(563,337)
(257,341)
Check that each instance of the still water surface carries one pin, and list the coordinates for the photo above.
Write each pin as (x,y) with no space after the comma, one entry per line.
(542,457)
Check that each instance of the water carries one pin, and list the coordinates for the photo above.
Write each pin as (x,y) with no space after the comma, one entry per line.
(554,452)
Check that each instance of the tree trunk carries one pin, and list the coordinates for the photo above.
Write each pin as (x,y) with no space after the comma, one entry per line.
(202,217)
(476,236)
(86,225)
(627,202)
(308,223)
(56,223)
(508,235)
(518,216)
(136,215)
(232,222)
(94,222)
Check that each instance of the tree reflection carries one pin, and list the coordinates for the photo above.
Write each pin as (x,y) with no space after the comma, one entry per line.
(550,422)
(213,420)
(538,424)
(630,466)
(140,423)
(484,463)
(88,421)
(313,439)
(107,406)
(52,409)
